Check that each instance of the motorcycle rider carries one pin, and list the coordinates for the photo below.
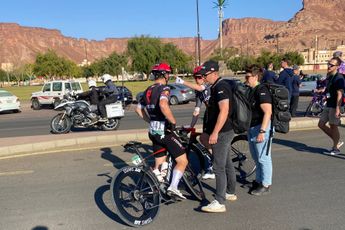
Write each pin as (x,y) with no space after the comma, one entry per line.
(111,93)
(91,95)
(154,109)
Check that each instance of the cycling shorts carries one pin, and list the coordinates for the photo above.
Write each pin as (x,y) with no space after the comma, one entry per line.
(168,142)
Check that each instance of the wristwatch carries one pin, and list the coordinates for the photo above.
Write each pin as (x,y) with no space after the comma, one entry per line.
(262,131)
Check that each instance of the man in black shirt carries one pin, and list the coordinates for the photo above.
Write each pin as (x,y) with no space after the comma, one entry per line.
(258,134)
(221,134)
(334,93)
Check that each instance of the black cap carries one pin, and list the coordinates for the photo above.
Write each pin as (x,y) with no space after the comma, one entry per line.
(209,66)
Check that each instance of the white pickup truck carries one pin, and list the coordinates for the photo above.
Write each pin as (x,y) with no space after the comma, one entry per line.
(52,93)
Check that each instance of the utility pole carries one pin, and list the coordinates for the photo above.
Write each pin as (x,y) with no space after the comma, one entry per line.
(277,38)
(198,31)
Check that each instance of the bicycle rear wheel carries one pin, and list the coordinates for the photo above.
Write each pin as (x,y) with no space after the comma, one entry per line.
(193,184)
(135,196)
(241,157)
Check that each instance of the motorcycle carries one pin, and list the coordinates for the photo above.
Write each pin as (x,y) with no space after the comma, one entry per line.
(80,114)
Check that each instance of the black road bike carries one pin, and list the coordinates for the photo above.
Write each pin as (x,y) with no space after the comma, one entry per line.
(137,194)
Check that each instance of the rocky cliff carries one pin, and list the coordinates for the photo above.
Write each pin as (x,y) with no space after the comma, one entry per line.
(322,18)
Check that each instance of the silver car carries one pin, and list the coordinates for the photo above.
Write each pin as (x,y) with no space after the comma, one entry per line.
(178,94)
(308,84)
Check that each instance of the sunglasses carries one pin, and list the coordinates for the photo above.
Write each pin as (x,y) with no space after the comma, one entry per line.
(331,65)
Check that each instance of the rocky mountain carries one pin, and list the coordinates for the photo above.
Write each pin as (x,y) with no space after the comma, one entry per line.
(324,19)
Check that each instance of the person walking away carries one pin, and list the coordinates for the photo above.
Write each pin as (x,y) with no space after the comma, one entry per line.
(269,75)
(259,132)
(202,95)
(331,113)
(285,76)
(154,109)
(221,134)
(111,94)
(296,82)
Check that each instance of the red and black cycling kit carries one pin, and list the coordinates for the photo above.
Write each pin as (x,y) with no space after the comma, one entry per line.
(158,134)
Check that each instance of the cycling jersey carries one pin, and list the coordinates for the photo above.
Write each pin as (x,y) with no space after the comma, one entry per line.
(161,139)
(203,96)
(150,100)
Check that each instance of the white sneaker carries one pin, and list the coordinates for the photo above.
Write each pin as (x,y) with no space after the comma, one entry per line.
(209,175)
(158,175)
(333,152)
(231,197)
(214,206)
(340,143)
(175,192)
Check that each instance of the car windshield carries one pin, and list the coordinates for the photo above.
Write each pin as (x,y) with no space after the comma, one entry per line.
(5,94)
(76,86)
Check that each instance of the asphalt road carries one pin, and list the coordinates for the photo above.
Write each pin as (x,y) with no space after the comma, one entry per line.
(70,190)
(31,122)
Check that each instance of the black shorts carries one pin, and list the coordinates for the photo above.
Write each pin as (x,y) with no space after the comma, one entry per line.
(169,142)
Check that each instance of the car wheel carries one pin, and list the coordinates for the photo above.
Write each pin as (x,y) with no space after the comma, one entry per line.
(35,104)
(173,100)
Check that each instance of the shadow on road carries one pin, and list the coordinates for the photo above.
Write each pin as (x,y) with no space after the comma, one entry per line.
(301,147)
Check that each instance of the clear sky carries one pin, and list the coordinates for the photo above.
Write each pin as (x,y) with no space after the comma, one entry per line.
(100,19)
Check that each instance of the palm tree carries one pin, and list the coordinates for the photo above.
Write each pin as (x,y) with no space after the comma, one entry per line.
(220,4)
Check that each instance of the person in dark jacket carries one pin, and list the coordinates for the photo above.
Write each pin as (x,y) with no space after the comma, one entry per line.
(296,82)
(269,75)
(285,76)
(111,93)
(92,95)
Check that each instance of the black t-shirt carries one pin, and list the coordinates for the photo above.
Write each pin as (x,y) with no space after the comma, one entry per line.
(220,90)
(260,96)
(334,83)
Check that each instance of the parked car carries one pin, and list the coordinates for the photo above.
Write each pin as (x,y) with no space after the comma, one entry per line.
(9,102)
(126,93)
(308,84)
(53,92)
(178,94)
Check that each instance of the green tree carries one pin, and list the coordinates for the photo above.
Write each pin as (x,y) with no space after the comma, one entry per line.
(228,53)
(240,63)
(144,52)
(294,57)
(175,57)
(3,75)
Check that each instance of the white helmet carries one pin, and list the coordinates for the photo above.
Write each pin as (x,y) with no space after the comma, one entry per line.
(106,77)
(92,83)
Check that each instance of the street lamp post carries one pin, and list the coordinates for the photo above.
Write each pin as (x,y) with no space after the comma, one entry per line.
(198,31)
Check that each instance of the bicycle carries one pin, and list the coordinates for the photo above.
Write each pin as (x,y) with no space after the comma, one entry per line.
(316,105)
(240,153)
(137,193)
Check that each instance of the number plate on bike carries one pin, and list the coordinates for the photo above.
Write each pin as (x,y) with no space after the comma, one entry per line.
(136,160)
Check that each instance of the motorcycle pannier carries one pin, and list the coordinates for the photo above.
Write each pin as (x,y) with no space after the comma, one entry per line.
(114,110)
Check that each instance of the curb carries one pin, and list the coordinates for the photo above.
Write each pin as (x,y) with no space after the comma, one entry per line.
(36,144)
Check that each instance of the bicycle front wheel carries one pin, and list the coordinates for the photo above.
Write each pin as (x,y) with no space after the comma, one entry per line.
(241,156)
(135,196)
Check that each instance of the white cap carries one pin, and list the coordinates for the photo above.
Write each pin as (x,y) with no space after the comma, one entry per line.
(91,83)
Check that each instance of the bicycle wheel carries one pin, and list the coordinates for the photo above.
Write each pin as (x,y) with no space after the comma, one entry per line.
(135,196)
(316,109)
(241,156)
(307,111)
(193,184)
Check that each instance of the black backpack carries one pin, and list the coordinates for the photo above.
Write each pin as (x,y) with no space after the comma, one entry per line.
(241,112)
(280,107)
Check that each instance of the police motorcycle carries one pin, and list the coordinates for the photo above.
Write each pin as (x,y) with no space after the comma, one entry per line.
(80,114)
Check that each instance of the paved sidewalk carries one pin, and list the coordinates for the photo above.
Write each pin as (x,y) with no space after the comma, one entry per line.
(33,144)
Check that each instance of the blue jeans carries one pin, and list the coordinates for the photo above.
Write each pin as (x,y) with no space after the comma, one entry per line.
(259,152)
(223,166)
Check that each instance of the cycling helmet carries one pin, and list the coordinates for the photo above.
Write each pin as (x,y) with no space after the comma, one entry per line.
(159,70)
(196,72)
(106,77)
(91,83)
